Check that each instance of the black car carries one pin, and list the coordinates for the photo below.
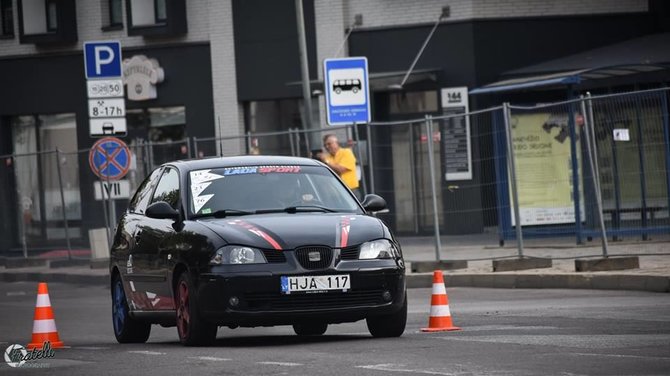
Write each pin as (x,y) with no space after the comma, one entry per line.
(253,241)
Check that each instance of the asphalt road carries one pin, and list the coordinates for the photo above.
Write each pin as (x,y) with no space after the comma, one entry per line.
(505,332)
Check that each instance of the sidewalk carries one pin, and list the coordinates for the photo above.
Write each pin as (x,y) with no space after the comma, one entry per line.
(653,273)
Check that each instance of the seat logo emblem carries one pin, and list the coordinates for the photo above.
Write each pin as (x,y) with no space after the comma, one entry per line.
(314,256)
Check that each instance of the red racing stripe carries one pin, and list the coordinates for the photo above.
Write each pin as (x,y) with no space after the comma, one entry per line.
(269,239)
(344,232)
(258,232)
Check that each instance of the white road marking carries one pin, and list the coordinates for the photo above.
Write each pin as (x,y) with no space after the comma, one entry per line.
(93,348)
(624,356)
(211,358)
(588,342)
(16,293)
(146,352)
(389,367)
(284,364)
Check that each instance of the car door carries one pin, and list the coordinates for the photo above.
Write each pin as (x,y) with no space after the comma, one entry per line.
(154,238)
(131,262)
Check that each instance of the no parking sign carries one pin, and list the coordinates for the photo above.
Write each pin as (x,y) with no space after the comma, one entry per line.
(109,158)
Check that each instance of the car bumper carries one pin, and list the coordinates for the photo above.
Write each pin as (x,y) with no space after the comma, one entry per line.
(260,302)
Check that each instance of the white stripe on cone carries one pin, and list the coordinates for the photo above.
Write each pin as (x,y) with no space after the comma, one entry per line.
(44,326)
(440,311)
(439,289)
(43,300)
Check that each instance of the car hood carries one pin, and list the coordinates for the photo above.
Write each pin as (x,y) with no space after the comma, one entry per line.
(288,231)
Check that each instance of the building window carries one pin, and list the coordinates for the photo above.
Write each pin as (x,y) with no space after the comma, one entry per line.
(160,10)
(47,21)
(115,13)
(6,18)
(52,15)
(156,17)
(165,128)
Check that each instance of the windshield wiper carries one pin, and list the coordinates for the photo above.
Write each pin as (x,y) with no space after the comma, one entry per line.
(224,213)
(307,208)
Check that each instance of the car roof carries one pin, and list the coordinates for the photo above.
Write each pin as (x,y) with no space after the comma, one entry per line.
(244,160)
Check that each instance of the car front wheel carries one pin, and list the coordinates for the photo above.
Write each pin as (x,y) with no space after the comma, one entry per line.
(126,329)
(392,325)
(192,330)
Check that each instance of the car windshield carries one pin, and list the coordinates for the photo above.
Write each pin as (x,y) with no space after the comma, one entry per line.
(262,189)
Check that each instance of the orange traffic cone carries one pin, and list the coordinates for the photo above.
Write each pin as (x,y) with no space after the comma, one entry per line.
(440,316)
(44,325)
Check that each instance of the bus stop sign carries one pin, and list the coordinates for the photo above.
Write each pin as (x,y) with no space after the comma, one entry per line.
(109,158)
(347,93)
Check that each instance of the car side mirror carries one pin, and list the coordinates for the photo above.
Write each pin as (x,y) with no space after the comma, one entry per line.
(161,210)
(373,203)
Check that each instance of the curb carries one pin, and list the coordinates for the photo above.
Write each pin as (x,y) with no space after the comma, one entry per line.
(555,281)
(425,280)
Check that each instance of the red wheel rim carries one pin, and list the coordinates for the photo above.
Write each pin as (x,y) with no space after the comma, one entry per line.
(183,317)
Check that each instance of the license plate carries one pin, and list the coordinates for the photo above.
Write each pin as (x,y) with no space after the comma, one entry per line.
(316,283)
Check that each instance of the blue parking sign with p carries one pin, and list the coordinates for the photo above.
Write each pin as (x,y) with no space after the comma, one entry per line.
(102,59)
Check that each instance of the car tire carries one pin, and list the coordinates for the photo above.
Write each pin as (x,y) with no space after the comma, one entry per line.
(311,329)
(392,325)
(126,328)
(191,328)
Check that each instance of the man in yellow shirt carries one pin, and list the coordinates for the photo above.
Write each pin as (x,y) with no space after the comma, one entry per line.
(342,161)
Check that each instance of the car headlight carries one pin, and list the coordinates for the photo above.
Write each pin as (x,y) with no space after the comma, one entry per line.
(235,254)
(378,249)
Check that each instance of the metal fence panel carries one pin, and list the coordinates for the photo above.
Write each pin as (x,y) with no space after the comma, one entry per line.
(445,176)
(631,156)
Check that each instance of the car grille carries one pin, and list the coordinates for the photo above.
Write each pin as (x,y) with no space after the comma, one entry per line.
(279,302)
(325,257)
(350,253)
(274,256)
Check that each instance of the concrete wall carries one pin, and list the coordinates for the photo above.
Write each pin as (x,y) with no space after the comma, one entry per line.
(385,13)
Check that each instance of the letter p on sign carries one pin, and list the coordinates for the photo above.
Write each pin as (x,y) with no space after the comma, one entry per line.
(102,59)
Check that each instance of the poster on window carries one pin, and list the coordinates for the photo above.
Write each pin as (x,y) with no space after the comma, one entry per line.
(543,162)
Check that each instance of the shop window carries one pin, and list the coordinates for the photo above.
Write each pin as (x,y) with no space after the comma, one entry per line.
(6,18)
(46,182)
(157,135)
(278,115)
(156,17)
(47,21)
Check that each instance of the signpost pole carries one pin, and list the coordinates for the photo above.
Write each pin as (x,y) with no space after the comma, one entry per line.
(62,202)
(110,209)
(431,165)
(360,158)
(104,212)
